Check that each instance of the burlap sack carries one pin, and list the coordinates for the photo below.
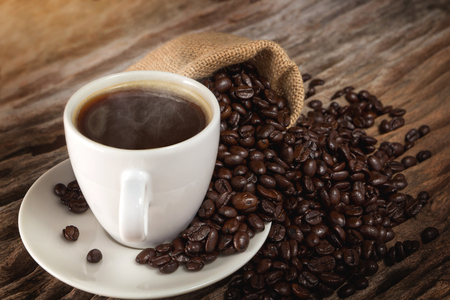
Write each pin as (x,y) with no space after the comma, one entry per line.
(200,55)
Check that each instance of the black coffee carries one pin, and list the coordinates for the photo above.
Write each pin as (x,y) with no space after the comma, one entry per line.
(140,117)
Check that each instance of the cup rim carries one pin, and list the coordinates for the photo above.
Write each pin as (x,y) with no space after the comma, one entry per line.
(76,99)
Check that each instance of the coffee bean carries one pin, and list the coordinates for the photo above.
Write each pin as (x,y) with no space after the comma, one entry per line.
(299,291)
(399,252)
(429,234)
(390,257)
(423,196)
(322,264)
(396,123)
(424,130)
(169,267)
(78,205)
(346,291)
(423,155)
(409,161)
(223,84)
(360,282)
(243,201)
(144,256)
(195,264)
(412,135)
(60,189)
(94,256)
(385,126)
(306,77)
(71,233)
(352,97)
(241,241)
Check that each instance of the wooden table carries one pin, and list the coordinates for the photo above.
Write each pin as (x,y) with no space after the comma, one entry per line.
(398,50)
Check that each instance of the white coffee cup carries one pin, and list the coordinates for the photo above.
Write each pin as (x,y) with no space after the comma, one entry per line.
(143,198)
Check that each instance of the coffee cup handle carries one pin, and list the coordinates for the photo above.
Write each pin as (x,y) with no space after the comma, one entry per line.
(135,198)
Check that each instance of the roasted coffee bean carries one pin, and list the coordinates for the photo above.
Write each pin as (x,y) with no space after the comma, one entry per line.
(346,291)
(243,201)
(360,282)
(312,240)
(306,77)
(223,84)
(409,161)
(194,247)
(307,280)
(371,267)
(397,112)
(352,97)
(331,279)
(230,226)
(322,264)
(60,189)
(351,258)
(241,241)
(78,205)
(313,217)
(396,123)
(145,255)
(424,130)
(423,155)
(390,257)
(385,126)
(412,135)
(255,222)
(212,240)
(423,196)
(429,234)
(71,233)
(169,267)
(369,232)
(195,264)
(399,252)
(94,256)
(299,291)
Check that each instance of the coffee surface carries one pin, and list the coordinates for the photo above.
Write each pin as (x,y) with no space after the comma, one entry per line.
(139,117)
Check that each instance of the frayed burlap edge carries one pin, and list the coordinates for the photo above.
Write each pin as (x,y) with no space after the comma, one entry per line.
(199,55)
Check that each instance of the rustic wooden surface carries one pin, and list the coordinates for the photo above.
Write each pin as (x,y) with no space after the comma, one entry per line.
(399,50)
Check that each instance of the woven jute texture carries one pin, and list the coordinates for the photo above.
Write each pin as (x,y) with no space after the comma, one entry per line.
(199,55)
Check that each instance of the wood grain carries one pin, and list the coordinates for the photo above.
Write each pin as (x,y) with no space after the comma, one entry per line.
(398,50)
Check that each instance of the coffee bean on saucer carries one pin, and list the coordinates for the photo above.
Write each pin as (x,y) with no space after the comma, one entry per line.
(429,234)
(73,186)
(170,267)
(144,256)
(71,233)
(60,189)
(94,256)
(78,206)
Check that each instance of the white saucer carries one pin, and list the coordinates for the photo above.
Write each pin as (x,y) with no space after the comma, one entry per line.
(42,218)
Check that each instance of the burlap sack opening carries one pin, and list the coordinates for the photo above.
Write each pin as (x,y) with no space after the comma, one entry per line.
(200,55)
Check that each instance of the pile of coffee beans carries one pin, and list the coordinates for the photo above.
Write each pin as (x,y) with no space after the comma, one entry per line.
(332,193)
(71,196)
